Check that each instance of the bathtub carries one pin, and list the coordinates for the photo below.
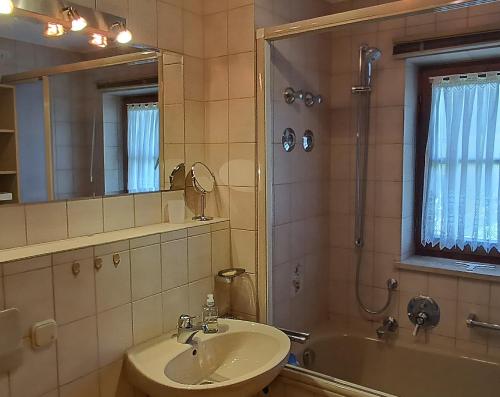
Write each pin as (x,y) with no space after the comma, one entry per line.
(351,365)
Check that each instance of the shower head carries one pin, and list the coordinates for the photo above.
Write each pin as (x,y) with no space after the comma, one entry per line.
(367,56)
(373,54)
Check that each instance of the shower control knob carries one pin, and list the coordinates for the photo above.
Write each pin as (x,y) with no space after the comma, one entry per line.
(423,312)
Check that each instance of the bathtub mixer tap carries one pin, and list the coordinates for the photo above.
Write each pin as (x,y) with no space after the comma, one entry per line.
(389,326)
(423,312)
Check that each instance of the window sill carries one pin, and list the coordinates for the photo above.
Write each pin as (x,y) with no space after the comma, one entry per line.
(453,267)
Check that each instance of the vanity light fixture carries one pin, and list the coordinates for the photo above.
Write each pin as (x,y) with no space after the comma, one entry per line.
(123,35)
(99,40)
(77,22)
(6,6)
(54,30)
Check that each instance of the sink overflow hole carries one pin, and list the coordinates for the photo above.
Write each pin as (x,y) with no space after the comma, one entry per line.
(195,352)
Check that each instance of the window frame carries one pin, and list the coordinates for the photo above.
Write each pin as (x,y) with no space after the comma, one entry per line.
(422,132)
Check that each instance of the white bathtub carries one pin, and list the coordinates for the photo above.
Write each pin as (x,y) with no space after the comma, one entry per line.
(347,361)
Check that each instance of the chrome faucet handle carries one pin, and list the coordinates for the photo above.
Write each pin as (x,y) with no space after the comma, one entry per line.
(185,321)
(423,312)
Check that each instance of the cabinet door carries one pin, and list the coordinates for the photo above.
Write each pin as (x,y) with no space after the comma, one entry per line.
(115,7)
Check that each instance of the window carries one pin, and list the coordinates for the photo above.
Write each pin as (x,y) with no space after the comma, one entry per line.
(458,163)
(143,151)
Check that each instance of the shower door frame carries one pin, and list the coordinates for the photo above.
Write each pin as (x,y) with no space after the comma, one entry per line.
(264,38)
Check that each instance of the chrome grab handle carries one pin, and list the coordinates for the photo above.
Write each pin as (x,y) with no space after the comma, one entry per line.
(296,336)
(472,322)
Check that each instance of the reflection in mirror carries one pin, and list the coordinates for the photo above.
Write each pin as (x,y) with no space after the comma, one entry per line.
(79,120)
(203,182)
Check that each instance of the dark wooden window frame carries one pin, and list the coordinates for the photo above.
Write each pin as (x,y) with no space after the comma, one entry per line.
(423,118)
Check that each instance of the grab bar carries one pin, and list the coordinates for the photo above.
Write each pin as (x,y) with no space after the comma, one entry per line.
(296,336)
(473,322)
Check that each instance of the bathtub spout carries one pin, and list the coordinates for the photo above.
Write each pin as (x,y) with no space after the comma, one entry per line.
(388,327)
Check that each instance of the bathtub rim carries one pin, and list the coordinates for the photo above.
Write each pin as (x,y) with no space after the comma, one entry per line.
(315,381)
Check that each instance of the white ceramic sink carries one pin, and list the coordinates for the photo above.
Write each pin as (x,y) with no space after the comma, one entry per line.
(238,361)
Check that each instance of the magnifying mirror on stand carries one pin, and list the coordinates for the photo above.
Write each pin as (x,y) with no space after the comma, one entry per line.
(203,183)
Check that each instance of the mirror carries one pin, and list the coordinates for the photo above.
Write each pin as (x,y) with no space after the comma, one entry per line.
(203,182)
(82,121)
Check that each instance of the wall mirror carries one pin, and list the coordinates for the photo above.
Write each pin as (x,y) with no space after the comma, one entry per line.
(82,115)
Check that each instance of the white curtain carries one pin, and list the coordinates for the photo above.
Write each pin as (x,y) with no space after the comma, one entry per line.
(143,147)
(462,163)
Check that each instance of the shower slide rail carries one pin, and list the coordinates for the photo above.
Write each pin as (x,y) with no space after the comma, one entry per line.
(473,322)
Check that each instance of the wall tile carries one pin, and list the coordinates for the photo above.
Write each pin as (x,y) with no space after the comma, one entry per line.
(216,122)
(175,303)
(174,263)
(242,164)
(242,208)
(85,217)
(215,34)
(241,30)
(199,257)
(143,22)
(145,271)
(46,222)
(114,333)
(147,318)
(87,386)
(77,349)
(37,375)
(198,295)
(147,209)
(243,251)
(193,34)
(242,120)
(241,75)
(474,291)
(31,293)
(195,122)
(15,234)
(113,282)
(118,213)
(74,295)
(216,79)
(27,265)
(221,250)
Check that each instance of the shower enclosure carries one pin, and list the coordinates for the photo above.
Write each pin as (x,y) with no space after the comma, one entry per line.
(331,219)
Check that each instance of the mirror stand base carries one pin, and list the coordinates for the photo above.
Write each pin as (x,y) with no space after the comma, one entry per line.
(202,218)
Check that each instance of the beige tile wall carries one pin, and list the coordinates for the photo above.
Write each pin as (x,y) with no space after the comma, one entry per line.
(389,206)
(227,124)
(103,311)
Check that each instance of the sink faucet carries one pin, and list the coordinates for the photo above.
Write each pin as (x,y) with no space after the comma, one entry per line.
(186,330)
(389,326)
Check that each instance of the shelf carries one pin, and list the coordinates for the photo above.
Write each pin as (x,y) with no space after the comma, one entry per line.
(30,251)
(6,131)
(8,172)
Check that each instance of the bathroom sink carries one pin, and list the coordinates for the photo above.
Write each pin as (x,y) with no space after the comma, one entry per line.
(240,360)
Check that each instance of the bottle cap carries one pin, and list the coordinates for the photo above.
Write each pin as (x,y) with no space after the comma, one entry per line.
(210,300)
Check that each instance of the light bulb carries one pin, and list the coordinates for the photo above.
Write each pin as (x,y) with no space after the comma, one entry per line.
(124,37)
(54,30)
(6,6)
(78,24)
(99,40)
